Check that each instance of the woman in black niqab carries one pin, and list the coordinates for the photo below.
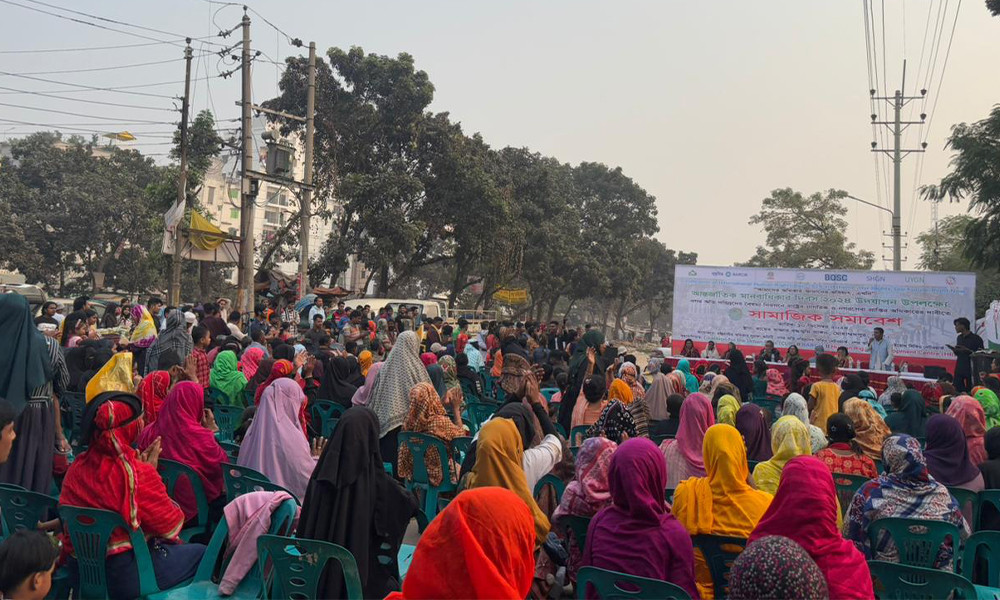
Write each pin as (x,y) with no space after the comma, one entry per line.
(352,502)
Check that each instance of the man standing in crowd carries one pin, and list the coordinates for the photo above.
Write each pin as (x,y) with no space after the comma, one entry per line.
(216,326)
(881,351)
(317,309)
(965,345)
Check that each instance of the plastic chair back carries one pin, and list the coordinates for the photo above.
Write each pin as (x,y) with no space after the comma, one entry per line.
(987,498)
(325,415)
(73,404)
(237,479)
(232,450)
(918,540)
(904,582)
(418,445)
(578,434)
(23,509)
(968,503)
(847,486)
(550,480)
(227,418)
(215,397)
(548,393)
(611,585)
(982,557)
(89,530)
(668,495)
(719,551)
(172,472)
(577,527)
(298,564)
(460,447)
(770,405)
(479,412)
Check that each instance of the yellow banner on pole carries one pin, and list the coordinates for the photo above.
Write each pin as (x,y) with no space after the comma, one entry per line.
(511,295)
(203,234)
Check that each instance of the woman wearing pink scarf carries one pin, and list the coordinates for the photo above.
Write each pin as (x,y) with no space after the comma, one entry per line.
(363,393)
(186,437)
(250,361)
(274,444)
(776,383)
(683,453)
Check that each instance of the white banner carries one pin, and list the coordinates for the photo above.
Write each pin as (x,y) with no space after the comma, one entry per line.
(809,308)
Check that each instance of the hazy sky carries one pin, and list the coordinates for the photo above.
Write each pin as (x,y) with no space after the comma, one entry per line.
(709,105)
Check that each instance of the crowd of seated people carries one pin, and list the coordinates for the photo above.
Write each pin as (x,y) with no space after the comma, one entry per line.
(652,460)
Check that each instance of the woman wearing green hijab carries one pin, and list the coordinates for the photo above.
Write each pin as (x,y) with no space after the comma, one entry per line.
(227,379)
(579,369)
(991,406)
(691,382)
(909,416)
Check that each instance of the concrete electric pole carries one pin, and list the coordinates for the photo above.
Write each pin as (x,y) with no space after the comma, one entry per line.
(245,293)
(174,291)
(308,175)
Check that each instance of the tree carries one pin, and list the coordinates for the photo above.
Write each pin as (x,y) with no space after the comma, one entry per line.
(806,232)
(975,176)
(943,249)
(994,7)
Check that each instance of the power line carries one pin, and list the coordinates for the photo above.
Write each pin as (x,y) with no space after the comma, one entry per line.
(64,112)
(118,89)
(69,127)
(84,49)
(276,28)
(107,20)
(57,97)
(111,68)
(82,22)
(937,93)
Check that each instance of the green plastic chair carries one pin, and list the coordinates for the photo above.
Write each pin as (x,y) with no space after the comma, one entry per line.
(906,582)
(460,447)
(987,498)
(982,548)
(560,429)
(553,481)
(577,526)
(479,412)
(490,384)
(719,551)
(227,418)
(172,471)
(548,393)
(235,478)
(611,585)
(770,404)
(297,564)
(232,450)
(89,530)
(214,562)
(325,415)
(968,503)
(73,404)
(23,509)
(215,397)
(918,540)
(419,444)
(668,495)
(847,486)
(878,467)
(579,430)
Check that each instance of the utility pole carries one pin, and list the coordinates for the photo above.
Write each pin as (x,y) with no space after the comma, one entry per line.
(308,175)
(245,293)
(897,101)
(174,291)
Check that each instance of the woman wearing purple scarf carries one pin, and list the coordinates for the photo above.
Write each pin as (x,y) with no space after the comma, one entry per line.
(636,479)
(947,454)
(755,427)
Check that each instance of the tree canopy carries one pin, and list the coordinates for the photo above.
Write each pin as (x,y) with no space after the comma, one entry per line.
(806,232)
(944,249)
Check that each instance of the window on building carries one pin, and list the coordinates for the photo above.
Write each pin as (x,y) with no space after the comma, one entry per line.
(232,231)
(211,196)
(234,194)
(234,213)
(277,197)
(274,217)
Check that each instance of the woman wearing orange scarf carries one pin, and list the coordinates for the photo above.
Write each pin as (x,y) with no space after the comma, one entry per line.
(722,503)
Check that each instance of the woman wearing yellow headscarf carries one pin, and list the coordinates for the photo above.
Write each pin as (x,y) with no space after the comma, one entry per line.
(365,362)
(728,406)
(722,502)
(789,438)
(499,454)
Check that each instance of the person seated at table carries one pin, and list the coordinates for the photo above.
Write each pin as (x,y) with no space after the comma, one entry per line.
(112,475)
(905,490)
(638,511)
(769,353)
(710,351)
(186,431)
(844,360)
(844,456)
(689,351)
(722,502)
(728,354)
(805,510)
(792,355)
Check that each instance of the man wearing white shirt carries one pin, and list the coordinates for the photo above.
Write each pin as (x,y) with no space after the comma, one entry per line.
(317,309)
(881,351)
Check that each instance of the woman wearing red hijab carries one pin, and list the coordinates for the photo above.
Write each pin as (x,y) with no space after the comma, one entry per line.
(805,510)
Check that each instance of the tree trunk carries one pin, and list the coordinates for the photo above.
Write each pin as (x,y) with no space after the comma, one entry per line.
(569,308)
(383,281)
(619,314)
(552,308)
(203,279)
(604,319)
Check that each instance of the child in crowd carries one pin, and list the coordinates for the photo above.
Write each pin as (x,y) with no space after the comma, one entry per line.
(824,395)
(27,560)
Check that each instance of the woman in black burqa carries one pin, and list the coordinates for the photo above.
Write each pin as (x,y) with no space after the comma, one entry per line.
(353,503)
